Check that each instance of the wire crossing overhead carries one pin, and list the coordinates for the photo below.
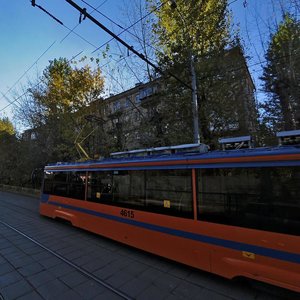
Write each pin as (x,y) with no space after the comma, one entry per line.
(47,12)
(130,48)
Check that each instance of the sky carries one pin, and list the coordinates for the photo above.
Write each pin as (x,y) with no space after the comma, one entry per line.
(30,38)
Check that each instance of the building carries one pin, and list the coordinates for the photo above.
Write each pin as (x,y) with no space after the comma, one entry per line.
(140,117)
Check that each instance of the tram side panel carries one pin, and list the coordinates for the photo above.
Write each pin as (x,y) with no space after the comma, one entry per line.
(245,226)
(256,211)
(162,235)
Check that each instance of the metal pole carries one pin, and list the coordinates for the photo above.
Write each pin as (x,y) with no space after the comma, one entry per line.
(194,101)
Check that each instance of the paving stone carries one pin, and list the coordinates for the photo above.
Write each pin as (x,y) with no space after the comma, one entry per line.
(10,251)
(180,271)
(108,295)
(33,250)
(61,269)
(69,295)
(120,278)
(107,271)
(6,268)
(40,278)
(135,287)
(135,268)
(82,260)
(73,255)
(31,269)
(89,289)
(187,291)
(73,279)
(21,261)
(25,244)
(4,244)
(52,288)
(15,290)
(94,265)
(152,292)
(2,260)
(212,295)
(150,274)
(10,278)
(235,289)
(41,256)
(50,262)
(32,296)
(166,282)
(173,297)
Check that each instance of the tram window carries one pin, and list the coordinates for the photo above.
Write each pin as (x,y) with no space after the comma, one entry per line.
(48,182)
(99,187)
(76,183)
(169,192)
(260,198)
(60,184)
(129,188)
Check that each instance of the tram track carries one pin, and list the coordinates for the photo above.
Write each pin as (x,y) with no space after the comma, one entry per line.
(70,263)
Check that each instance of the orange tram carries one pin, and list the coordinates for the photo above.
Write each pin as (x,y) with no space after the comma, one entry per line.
(235,213)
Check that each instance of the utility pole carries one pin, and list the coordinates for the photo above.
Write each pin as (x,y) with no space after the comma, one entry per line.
(194,100)
(192,87)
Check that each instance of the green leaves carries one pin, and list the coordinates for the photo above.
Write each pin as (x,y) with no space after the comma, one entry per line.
(281,77)
(195,26)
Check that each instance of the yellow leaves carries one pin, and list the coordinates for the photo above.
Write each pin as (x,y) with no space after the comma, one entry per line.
(70,87)
(6,127)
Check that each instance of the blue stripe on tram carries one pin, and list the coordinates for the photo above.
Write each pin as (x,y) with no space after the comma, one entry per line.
(276,254)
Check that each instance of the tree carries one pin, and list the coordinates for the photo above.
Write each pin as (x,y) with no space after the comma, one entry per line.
(191,27)
(55,106)
(6,127)
(281,77)
(199,33)
(10,158)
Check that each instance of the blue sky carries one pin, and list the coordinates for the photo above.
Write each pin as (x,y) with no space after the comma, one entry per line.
(27,32)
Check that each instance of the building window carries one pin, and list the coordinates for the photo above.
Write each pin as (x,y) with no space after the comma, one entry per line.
(137,99)
(146,92)
(128,102)
(116,106)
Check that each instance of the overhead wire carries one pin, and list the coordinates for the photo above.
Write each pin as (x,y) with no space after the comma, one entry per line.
(127,28)
(133,25)
(72,30)
(20,78)
(27,91)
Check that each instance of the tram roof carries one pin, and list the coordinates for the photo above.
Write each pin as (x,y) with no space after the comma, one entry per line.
(183,157)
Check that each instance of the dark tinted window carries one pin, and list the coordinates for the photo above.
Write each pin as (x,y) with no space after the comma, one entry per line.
(99,187)
(261,198)
(129,188)
(60,184)
(76,182)
(66,184)
(162,191)
(48,182)
(169,192)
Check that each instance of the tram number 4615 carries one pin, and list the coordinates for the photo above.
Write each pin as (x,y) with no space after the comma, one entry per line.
(127,213)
